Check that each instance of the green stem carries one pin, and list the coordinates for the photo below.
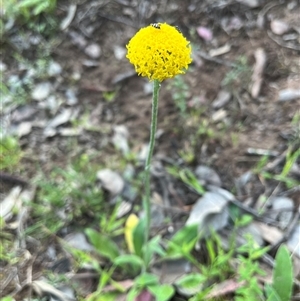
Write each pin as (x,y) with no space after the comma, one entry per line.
(147,207)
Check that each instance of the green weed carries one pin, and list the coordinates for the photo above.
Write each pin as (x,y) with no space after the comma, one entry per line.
(10,153)
(180,93)
(239,74)
(282,285)
(292,156)
(27,8)
(67,195)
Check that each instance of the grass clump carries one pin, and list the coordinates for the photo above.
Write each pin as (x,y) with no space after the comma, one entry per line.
(69,195)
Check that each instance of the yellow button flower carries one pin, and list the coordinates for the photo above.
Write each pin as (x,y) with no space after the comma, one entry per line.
(159,51)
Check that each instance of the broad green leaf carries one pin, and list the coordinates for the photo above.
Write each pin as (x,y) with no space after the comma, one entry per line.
(191,284)
(146,279)
(283,274)
(162,292)
(259,252)
(133,292)
(153,247)
(185,235)
(245,220)
(183,241)
(139,237)
(130,259)
(271,294)
(7,298)
(103,244)
(104,279)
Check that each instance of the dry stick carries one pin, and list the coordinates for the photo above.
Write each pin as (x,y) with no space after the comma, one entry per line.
(5,177)
(254,213)
(215,60)
(281,43)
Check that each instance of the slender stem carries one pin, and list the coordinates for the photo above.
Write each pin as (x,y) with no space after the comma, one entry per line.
(146,203)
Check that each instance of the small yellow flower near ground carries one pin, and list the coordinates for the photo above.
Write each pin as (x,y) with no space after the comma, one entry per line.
(130,225)
(159,51)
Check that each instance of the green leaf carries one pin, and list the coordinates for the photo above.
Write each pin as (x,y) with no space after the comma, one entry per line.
(183,241)
(185,234)
(271,294)
(7,298)
(139,237)
(191,283)
(105,277)
(130,259)
(103,244)
(283,274)
(153,247)
(133,292)
(162,292)
(145,280)
(190,179)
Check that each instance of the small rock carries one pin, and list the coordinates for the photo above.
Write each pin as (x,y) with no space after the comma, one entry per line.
(219,115)
(90,63)
(93,50)
(111,181)
(3,67)
(71,97)
(52,104)
(24,128)
(51,252)
(119,52)
(279,27)
(207,175)
(283,210)
(289,94)
(120,139)
(23,113)
(35,39)
(222,99)
(60,119)
(148,88)
(54,69)
(250,3)
(41,91)
(78,241)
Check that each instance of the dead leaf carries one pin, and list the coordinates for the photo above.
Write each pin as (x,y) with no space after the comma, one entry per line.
(8,204)
(43,288)
(269,233)
(224,288)
(111,181)
(220,51)
(70,16)
(209,212)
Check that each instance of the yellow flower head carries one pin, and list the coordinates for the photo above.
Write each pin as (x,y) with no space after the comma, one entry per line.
(159,51)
